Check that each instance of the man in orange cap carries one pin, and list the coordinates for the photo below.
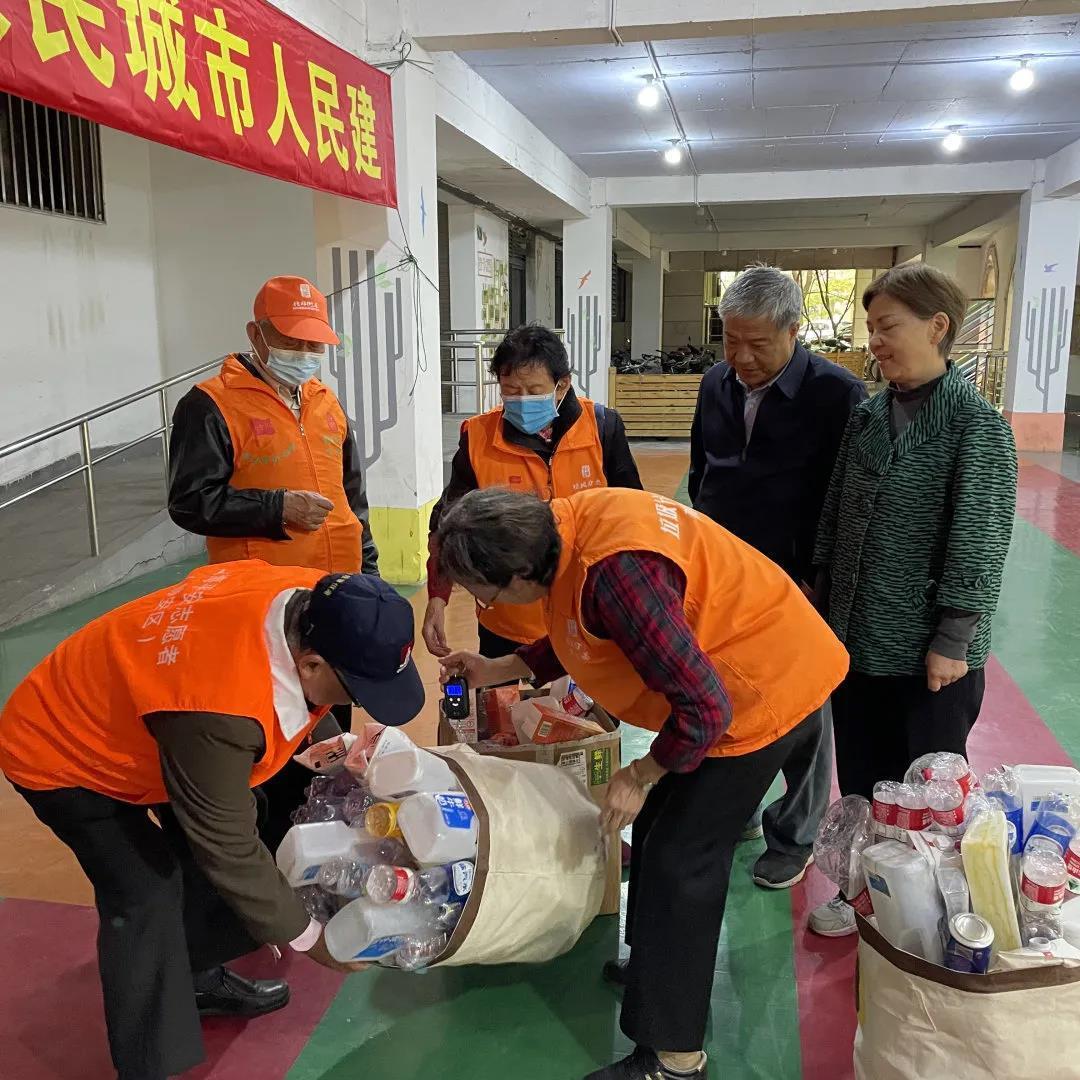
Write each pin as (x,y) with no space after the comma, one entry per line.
(263,463)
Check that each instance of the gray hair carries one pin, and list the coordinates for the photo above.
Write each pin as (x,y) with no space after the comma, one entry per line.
(764,292)
(492,536)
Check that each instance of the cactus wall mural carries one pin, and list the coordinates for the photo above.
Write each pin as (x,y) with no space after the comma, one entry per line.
(1046,331)
(584,334)
(364,367)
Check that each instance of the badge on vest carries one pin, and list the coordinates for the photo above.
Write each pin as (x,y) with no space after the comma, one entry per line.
(331,423)
(586,472)
(261,428)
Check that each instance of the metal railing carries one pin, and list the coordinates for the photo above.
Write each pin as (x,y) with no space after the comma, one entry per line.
(89,462)
(985,370)
(481,344)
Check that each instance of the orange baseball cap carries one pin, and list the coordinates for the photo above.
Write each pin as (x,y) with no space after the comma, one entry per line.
(296,308)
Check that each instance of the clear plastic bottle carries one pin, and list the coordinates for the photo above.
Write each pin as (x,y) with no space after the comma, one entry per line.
(1002,786)
(945,799)
(415,953)
(912,809)
(1072,864)
(356,805)
(344,877)
(885,793)
(942,766)
(1042,883)
(1057,819)
(434,885)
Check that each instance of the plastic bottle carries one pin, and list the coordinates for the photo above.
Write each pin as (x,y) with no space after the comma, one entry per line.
(942,766)
(1003,786)
(381,820)
(320,808)
(885,793)
(438,827)
(945,799)
(434,885)
(318,903)
(570,697)
(405,772)
(1042,885)
(846,829)
(1072,864)
(1038,781)
(306,847)
(1056,819)
(912,809)
(344,877)
(363,930)
(415,953)
(907,903)
(356,805)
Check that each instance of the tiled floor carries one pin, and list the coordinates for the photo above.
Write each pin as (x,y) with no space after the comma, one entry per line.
(783,1003)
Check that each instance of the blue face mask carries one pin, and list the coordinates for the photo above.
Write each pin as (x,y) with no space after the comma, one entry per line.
(293,368)
(531,413)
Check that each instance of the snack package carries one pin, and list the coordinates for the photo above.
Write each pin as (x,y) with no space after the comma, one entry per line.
(329,755)
(497,704)
(537,721)
(374,739)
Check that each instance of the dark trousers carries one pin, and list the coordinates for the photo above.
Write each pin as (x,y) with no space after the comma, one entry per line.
(159,918)
(683,843)
(882,723)
(493,646)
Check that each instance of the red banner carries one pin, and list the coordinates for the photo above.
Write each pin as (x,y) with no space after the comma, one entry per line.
(233,80)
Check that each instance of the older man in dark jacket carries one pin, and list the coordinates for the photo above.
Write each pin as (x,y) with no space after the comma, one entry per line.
(766,433)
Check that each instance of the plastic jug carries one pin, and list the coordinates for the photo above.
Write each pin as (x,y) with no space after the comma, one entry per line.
(362,930)
(906,899)
(438,827)
(306,847)
(1037,781)
(407,771)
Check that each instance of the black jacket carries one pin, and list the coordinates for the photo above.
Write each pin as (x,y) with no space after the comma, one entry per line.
(201,498)
(620,469)
(770,492)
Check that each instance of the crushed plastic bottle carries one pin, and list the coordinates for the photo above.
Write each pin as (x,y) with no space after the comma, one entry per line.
(344,877)
(846,830)
(319,904)
(1057,820)
(942,766)
(416,953)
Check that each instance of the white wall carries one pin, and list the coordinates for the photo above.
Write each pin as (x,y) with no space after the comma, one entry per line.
(540,282)
(219,233)
(79,314)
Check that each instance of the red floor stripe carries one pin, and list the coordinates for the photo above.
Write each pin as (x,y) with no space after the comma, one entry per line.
(55,1027)
(1049,501)
(1010,731)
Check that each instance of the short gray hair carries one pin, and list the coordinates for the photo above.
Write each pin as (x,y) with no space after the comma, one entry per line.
(764,292)
(491,536)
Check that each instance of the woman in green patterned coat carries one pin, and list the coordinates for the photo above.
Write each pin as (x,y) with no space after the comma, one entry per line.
(913,537)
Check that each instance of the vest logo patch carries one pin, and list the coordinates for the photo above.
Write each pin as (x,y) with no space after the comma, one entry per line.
(516,480)
(331,423)
(586,472)
(260,428)
(305,290)
(667,514)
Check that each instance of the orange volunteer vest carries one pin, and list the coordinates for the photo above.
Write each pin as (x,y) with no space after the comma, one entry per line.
(77,719)
(776,656)
(577,465)
(273,450)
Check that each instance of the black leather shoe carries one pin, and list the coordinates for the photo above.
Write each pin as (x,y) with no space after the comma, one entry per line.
(614,971)
(237,996)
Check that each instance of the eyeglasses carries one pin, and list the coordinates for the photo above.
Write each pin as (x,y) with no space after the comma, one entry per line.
(487,605)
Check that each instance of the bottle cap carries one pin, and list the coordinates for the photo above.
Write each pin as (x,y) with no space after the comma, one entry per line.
(381,820)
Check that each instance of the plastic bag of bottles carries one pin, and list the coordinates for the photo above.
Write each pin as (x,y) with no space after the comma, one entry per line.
(846,829)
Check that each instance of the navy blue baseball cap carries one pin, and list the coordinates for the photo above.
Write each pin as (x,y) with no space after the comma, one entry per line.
(364,630)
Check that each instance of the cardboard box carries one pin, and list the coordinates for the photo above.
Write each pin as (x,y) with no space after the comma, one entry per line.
(593,761)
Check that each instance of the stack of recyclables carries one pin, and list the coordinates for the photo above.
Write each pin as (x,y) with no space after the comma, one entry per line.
(945,845)
(387,861)
(962,886)
(384,853)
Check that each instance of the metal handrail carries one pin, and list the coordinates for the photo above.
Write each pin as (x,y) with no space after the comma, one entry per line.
(83,422)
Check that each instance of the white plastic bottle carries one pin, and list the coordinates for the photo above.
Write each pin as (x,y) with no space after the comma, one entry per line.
(405,772)
(363,930)
(906,899)
(306,847)
(439,827)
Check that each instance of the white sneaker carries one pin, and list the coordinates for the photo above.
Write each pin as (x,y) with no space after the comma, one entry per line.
(834,919)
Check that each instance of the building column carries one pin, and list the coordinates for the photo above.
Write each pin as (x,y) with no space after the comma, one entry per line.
(385,372)
(587,300)
(942,258)
(1044,291)
(647,303)
(540,281)
(479,292)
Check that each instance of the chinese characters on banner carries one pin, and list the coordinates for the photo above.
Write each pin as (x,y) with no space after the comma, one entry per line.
(233,80)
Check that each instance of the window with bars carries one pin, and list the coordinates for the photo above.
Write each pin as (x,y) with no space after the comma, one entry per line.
(49,160)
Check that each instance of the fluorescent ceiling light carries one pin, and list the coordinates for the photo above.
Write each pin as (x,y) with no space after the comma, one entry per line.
(649,95)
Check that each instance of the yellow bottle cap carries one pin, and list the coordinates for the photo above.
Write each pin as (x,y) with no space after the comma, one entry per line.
(381,820)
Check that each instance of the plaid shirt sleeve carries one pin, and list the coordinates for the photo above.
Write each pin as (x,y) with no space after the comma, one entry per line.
(635,599)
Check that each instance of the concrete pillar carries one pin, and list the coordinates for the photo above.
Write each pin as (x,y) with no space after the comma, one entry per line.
(1044,291)
(386,370)
(587,300)
(479,290)
(945,259)
(647,303)
(540,282)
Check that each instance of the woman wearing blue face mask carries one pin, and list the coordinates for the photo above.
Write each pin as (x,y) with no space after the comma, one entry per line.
(542,439)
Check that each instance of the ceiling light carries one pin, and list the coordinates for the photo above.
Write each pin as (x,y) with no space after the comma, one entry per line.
(649,95)
(673,154)
(1023,78)
(952,142)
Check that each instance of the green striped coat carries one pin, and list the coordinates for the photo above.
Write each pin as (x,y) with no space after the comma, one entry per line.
(917,525)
